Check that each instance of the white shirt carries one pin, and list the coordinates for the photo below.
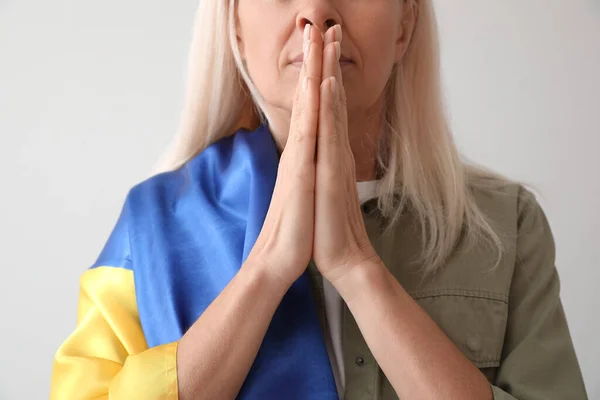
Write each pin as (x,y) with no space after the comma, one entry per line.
(334,307)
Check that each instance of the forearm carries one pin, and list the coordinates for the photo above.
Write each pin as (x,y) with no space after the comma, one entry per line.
(416,356)
(216,353)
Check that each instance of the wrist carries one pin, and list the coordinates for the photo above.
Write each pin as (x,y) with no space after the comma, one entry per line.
(359,277)
(263,275)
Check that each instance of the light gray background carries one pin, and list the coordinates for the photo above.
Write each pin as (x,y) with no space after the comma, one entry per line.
(90,94)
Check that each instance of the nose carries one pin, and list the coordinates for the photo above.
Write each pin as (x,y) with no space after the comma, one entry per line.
(319,13)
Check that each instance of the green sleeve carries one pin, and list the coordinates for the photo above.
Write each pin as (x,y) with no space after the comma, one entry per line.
(538,357)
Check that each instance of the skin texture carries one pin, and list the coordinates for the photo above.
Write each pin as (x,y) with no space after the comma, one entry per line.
(375,38)
(315,209)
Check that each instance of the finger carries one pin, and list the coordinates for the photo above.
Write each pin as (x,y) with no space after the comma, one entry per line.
(332,51)
(313,67)
(337,67)
(332,69)
(305,112)
(340,105)
(328,155)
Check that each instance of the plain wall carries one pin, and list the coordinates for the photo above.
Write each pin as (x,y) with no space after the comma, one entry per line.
(90,94)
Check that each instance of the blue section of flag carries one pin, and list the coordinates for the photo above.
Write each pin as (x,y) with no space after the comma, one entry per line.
(186,233)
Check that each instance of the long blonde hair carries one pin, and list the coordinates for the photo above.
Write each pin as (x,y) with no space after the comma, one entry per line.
(420,165)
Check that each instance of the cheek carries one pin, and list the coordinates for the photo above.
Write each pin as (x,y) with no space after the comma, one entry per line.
(276,85)
(263,46)
(380,59)
(376,45)
(254,47)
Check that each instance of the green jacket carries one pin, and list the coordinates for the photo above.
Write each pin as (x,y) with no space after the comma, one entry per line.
(508,320)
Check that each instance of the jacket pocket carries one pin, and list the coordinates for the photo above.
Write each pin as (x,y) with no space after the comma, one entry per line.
(474,320)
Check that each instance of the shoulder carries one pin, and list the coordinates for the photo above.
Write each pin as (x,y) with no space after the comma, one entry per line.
(507,204)
(162,201)
(516,215)
(217,162)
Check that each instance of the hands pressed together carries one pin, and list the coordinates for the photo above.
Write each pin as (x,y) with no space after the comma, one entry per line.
(315,210)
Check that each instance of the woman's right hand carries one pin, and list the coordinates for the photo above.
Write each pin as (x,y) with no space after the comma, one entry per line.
(284,245)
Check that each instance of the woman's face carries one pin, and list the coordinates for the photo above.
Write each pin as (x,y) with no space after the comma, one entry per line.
(375,35)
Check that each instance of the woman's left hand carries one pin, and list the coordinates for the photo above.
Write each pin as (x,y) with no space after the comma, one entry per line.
(340,237)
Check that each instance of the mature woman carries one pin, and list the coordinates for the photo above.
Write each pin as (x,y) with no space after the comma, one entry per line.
(314,135)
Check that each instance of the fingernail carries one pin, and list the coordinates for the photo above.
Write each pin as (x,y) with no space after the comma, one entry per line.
(332,84)
(338,50)
(306,32)
(305,83)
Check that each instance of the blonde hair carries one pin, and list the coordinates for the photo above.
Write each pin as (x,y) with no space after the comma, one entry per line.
(420,166)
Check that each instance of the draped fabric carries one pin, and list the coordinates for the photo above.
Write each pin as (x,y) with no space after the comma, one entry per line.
(180,239)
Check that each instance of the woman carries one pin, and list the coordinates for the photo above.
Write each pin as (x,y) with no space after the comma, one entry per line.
(427,278)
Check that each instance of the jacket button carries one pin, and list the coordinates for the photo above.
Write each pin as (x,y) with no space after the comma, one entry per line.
(473,344)
(360,361)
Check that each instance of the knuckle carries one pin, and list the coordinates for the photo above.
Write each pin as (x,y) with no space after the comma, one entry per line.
(297,97)
(333,138)
(299,112)
(300,137)
(338,110)
(343,97)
